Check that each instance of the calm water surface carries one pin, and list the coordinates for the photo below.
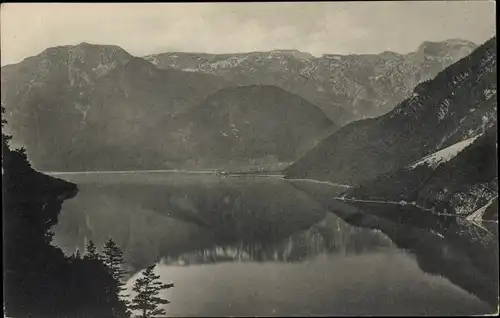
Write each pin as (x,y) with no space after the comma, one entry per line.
(267,246)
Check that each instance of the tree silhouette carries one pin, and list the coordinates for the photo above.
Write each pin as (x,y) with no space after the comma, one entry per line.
(147,299)
(113,259)
(90,251)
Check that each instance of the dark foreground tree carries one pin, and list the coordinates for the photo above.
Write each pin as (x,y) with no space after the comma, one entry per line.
(148,288)
(113,259)
(90,251)
(39,280)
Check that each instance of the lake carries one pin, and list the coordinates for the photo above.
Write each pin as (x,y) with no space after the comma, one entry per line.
(265,246)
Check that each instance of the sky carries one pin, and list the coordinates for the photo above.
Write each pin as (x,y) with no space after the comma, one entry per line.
(318,28)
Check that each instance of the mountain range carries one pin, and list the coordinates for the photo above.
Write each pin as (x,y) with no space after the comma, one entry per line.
(345,87)
(97,107)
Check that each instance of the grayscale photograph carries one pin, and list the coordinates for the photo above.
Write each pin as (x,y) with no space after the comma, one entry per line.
(205,159)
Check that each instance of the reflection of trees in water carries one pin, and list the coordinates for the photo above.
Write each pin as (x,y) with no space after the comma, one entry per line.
(459,251)
(232,236)
(330,236)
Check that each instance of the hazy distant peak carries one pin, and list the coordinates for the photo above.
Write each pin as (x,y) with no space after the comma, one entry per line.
(427,45)
(436,48)
(84,44)
(460,42)
(389,54)
(294,53)
(286,51)
(332,56)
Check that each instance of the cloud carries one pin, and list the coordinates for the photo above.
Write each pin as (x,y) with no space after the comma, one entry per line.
(323,27)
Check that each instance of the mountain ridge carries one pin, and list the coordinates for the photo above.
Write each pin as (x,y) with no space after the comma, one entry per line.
(455,105)
(346,86)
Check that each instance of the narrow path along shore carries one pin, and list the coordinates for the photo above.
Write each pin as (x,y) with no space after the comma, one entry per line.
(404,203)
(322,182)
(399,203)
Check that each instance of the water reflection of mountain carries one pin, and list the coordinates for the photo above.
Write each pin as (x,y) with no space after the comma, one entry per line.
(329,236)
(465,254)
(206,219)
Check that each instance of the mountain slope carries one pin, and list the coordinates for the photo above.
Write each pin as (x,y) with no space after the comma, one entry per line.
(346,87)
(96,107)
(249,125)
(460,184)
(456,105)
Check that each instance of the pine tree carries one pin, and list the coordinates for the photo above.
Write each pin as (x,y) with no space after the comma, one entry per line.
(148,288)
(91,251)
(113,259)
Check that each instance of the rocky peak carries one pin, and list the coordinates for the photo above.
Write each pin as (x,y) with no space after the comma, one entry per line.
(443,48)
(86,53)
(98,56)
